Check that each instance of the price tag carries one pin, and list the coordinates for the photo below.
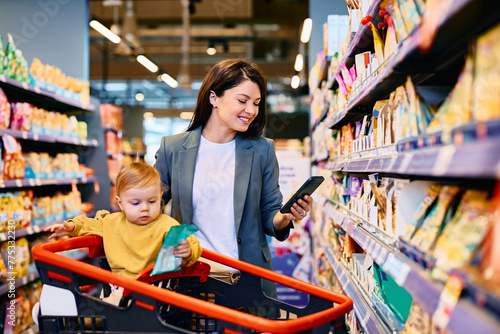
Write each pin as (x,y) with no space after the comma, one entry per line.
(35,136)
(31,182)
(84,179)
(76,141)
(19,183)
(37,89)
(29,230)
(36,228)
(2,77)
(3,237)
(24,135)
(448,300)
(397,269)
(405,163)
(443,160)
(38,182)
(391,163)
(365,319)
(25,85)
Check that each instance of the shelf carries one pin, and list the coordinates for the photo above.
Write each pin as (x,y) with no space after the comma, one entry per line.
(45,182)
(367,318)
(40,97)
(49,139)
(19,282)
(410,276)
(465,18)
(479,159)
(363,34)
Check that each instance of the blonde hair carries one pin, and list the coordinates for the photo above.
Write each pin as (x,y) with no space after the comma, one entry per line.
(137,175)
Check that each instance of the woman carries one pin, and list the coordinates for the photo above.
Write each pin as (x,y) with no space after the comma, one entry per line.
(222,176)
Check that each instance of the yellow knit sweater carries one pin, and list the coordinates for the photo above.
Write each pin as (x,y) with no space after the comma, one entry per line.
(130,248)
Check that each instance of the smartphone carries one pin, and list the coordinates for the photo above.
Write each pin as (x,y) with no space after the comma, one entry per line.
(306,189)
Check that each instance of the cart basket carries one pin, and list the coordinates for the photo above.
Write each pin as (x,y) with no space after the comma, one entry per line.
(212,305)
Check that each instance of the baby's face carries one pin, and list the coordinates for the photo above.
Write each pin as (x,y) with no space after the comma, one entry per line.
(141,205)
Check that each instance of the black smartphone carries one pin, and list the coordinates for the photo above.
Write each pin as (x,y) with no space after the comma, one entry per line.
(306,189)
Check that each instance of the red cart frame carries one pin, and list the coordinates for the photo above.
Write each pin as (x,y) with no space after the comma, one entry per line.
(141,315)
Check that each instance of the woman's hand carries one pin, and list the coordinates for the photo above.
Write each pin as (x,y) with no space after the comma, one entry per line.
(298,210)
(60,230)
(183,250)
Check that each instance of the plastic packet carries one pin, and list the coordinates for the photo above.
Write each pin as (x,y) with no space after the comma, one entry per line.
(166,260)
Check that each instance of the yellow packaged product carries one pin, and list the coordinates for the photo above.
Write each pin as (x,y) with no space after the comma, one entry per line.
(422,210)
(463,233)
(486,103)
(427,235)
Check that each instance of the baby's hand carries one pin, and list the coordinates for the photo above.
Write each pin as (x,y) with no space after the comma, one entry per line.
(60,230)
(183,250)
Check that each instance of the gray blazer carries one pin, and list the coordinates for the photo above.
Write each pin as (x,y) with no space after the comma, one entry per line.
(257,196)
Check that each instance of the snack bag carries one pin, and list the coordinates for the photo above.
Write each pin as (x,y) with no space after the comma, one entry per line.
(166,260)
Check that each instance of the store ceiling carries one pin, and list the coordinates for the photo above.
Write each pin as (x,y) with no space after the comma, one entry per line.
(267,31)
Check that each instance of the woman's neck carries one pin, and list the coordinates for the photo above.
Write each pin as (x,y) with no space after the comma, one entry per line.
(217,135)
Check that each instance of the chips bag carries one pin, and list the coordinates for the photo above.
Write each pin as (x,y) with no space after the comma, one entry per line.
(166,260)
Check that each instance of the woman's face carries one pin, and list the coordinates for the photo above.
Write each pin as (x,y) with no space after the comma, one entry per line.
(236,108)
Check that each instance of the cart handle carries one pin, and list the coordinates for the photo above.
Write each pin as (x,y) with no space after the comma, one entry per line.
(46,253)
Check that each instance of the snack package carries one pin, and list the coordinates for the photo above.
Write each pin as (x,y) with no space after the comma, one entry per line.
(166,260)
(490,248)
(456,109)
(418,322)
(13,159)
(5,111)
(487,71)
(422,210)
(463,233)
(426,237)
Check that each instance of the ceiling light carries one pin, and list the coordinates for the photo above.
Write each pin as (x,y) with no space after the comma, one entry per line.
(139,97)
(148,114)
(299,63)
(306,30)
(186,115)
(211,50)
(295,82)
(169,80)
(105,31)
(147,63)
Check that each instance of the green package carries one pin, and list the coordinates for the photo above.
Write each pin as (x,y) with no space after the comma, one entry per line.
(166,261)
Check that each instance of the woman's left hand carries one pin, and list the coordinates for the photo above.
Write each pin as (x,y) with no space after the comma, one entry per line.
(300,208)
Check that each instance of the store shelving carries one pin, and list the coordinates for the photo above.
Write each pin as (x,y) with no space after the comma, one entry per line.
(464,153)
(50,139)
(414,279)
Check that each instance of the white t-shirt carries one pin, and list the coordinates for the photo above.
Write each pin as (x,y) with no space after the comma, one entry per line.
(213,206)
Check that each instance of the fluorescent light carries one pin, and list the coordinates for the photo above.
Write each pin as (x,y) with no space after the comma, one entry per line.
(186,115)
(169,80)
(105,31)
(147,63)
(295,82)
(211,50)
(299,63)
(139,97)
(306,30)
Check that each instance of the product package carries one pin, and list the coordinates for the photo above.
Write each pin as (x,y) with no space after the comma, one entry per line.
(463,233)
(166,260)
(426,237)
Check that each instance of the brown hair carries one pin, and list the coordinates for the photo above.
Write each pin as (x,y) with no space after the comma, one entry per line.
(225,75)
(136,174)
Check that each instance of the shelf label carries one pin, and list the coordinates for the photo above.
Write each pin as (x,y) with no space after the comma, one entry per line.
(31,182)
(29,230)
(443,160)
(37,89)
(3,237)
(35,136)
(24,135)
(25,85)
(448,300)
(365,319)
(397,269)
(405,163)
(19,183)
(2,77)
(38,182)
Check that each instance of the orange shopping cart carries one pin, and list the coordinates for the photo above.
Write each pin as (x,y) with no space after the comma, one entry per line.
(187,301)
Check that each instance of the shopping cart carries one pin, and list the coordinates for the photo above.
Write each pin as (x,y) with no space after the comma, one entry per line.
(188,301)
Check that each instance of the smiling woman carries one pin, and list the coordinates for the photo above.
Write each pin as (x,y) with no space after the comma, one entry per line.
(222,175)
